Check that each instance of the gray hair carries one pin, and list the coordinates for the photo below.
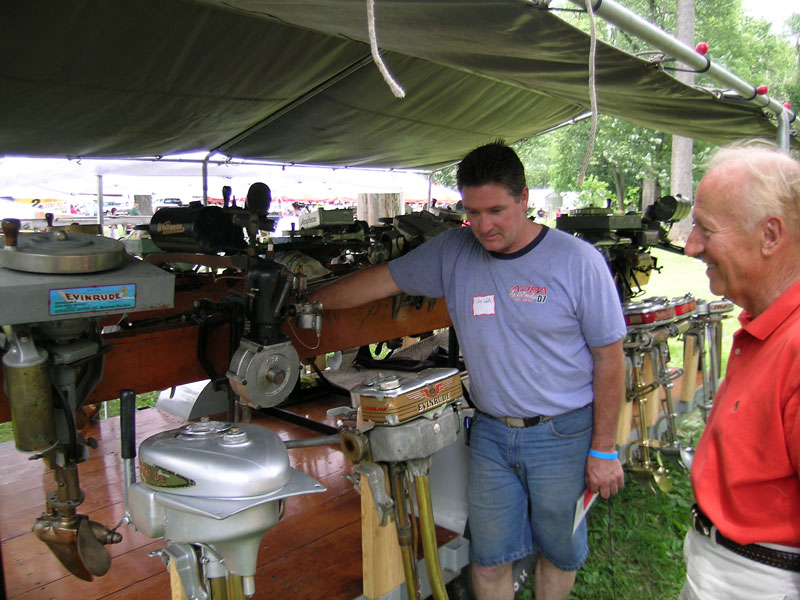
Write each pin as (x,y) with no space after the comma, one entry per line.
(773,185)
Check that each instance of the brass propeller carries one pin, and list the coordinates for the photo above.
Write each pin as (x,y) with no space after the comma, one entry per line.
(77,543)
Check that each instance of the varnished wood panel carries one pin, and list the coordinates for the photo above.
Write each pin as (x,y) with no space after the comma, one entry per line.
(162,357)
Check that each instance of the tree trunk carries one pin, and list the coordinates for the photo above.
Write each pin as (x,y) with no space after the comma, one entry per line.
(373,207)
(143,203)
(619,186)
(651,190)
(682,147)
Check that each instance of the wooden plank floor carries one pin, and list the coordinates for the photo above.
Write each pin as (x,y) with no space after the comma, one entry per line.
(313,553)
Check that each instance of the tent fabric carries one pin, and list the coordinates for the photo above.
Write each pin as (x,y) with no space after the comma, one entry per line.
(294,81)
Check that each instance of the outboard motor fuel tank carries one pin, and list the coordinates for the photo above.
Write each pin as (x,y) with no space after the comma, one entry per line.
(196,228)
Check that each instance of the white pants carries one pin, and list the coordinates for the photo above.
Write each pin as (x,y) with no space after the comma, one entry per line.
(716,573)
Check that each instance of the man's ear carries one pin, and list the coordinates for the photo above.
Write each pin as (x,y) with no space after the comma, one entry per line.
(773,232)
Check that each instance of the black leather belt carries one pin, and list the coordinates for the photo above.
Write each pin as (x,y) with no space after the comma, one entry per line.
(768,556)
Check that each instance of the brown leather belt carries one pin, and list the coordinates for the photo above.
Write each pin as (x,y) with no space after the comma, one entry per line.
(768,556)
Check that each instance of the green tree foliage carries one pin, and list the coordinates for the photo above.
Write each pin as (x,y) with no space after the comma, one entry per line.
(625,154)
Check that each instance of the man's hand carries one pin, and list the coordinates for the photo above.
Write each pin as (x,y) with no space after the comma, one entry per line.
(604,476)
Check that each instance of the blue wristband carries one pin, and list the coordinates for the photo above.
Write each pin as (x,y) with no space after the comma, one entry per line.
(604,455)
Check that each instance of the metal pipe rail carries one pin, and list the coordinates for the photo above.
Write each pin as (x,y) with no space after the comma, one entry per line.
(634,24)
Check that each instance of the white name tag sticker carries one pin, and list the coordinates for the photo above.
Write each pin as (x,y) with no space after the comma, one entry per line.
(482,305)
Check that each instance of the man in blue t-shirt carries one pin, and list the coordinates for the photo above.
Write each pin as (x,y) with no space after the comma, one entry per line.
(541,327)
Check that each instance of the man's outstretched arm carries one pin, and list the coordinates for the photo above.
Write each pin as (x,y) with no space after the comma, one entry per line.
(358,288)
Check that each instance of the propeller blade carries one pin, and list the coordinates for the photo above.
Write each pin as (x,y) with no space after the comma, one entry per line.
(663,481)
(67,555)
(93,554)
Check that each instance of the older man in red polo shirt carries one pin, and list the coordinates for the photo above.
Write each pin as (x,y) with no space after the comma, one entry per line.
(745,536)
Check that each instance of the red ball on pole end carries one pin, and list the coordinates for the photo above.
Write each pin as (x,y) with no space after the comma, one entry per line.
(787,105)
(701,48)
(762,89)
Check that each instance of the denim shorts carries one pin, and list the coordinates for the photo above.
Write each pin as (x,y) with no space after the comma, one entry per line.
(522,488)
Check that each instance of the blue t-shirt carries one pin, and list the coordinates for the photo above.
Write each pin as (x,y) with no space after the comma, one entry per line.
(525,321)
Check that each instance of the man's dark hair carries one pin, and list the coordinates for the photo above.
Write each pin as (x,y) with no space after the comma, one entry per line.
(492,163)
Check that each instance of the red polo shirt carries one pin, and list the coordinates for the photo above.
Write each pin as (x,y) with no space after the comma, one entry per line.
(745,470)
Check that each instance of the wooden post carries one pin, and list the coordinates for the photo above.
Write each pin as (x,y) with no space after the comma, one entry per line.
(691,354)
(382,562)
(373,207)
(175,582)
(625,422)
(652,407)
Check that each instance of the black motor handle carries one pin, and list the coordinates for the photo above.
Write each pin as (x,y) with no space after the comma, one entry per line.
(127,421)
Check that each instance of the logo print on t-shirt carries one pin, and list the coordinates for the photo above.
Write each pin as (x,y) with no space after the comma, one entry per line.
(528,293)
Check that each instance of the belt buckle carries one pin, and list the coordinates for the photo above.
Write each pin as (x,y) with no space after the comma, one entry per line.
(699,523)
(522,422)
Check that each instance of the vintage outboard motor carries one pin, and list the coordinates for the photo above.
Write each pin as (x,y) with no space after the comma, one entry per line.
(196,228)
(265,367)
(57,286)
(211,489)
(625,240)
(405,420)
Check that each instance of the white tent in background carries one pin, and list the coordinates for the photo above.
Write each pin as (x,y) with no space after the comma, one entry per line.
(9,209)
(78,181)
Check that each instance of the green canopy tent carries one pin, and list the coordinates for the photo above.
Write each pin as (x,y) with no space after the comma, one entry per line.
(295,81)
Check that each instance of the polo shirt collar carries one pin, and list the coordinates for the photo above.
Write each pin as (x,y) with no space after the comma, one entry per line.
(762,326)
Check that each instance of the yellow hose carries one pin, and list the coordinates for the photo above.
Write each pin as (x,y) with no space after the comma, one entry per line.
(429,546)
(235,587)
(403,525)
(410,571)
(219,588)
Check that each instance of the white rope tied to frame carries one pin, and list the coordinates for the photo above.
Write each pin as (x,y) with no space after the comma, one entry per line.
(376,55)
(592,92)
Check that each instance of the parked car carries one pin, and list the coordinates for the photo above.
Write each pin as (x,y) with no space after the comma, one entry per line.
(167,202)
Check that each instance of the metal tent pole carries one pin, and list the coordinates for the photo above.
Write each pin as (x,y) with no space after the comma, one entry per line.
(100,217)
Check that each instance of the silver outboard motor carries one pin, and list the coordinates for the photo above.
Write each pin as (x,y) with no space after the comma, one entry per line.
(212,489)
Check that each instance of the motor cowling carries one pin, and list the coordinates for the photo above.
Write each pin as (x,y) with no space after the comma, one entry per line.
(215,483)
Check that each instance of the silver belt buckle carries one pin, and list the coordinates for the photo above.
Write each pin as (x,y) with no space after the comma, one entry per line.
(698,522)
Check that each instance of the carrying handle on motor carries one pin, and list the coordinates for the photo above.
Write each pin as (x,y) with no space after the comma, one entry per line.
(127,418)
